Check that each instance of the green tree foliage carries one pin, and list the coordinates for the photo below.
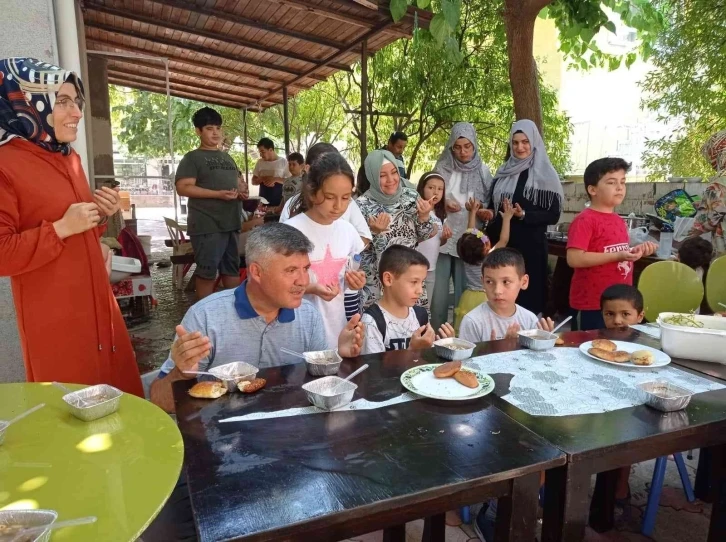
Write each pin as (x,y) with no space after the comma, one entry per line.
(429,91)
(688,85)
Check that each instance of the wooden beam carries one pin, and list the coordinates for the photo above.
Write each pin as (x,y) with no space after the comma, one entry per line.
(222,38)
(286,122)
(367,4)
(358,41)
(246,21)
(364,102)
(196,48)
(187,62)
(131,74)
(185,73)
(173,92)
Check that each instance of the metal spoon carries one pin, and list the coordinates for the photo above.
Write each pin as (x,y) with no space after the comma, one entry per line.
(723,305)
(292,352)
(21,416)
(26,531)
(351,375)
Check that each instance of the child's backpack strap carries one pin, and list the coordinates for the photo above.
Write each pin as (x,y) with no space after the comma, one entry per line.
(422,315)
(375,312)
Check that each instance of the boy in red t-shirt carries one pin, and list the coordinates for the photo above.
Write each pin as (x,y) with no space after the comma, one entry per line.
(598,247)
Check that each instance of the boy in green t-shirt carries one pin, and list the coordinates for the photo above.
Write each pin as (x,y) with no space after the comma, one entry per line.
(209,178)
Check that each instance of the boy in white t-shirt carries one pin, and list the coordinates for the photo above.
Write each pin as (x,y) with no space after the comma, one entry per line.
(395,323)
(270,172)
(503,275)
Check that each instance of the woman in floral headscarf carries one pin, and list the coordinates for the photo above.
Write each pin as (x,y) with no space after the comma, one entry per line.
(70,324)
(711,212)
(396,215)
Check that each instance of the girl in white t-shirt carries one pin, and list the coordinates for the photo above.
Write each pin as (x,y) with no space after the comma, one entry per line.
(326,193)
(431,187)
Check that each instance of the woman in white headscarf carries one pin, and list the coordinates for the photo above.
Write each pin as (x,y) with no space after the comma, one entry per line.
(530,182)
(396,215)
(466,176)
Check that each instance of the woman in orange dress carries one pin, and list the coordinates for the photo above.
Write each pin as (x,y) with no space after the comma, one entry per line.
(70,325)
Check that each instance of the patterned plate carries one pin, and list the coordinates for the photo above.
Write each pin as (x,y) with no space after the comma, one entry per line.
(421,381)
(661,358)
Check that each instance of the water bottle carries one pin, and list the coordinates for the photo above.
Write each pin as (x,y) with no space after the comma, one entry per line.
(665,247)
(354,262)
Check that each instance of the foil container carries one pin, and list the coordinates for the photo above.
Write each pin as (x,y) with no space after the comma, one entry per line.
(28,518)
(319,392)
(664,396)
(444,349)
(536,339)
(323,362)
(93,402)
(234,373)
(3,427)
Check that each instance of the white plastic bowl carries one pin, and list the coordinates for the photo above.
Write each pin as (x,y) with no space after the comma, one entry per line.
(122,268)
(702,344)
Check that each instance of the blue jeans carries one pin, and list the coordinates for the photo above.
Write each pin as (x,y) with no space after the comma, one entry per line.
(447,267)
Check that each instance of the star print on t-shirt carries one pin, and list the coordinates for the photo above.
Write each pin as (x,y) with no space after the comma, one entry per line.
(327,270)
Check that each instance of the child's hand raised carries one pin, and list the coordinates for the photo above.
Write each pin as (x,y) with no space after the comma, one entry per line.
(356,280)
(327,292)
(510,334)
(507,211)
(423,208)
(546,324)
(446,331)
(485,215)
(423,337)
(473,205)
(351,339)
(446,233)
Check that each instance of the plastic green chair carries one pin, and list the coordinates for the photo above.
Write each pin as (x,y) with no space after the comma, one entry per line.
(716,284)
(670,287)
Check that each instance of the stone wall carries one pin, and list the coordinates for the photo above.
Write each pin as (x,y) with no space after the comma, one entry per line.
(640,197)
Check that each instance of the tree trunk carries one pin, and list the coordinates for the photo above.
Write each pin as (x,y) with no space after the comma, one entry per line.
(523,77)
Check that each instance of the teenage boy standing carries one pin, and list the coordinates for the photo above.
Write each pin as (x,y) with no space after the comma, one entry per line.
(270,172)
(208,177)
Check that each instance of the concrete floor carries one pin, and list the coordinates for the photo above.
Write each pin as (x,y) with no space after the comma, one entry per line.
(677,520)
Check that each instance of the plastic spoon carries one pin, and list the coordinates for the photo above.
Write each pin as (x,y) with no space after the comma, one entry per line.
(562,323)
(292,352)
(723,305)
(24,532)
(67,390)
(351,375)
(21,416)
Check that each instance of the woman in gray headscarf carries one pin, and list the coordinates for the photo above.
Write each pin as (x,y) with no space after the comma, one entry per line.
(396,215)
(528,180)
(466,177)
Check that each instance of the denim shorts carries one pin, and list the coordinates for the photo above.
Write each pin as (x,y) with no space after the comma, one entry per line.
(216,252)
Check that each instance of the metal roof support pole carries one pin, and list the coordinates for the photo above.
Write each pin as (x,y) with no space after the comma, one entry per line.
(364,101)
(286,121)
(170,121)
(244,139)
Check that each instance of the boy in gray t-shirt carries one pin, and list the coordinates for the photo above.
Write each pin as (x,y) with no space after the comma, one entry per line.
(210,179)
(500,317)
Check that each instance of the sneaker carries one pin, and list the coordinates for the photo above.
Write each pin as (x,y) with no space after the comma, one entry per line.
(485,520)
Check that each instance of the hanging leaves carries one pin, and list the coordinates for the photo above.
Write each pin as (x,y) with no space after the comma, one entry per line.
(398,9)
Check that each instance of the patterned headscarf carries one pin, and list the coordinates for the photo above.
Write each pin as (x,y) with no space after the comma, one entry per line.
(471,171)
(373,164)
(28,90)
(714,150)
(543,183)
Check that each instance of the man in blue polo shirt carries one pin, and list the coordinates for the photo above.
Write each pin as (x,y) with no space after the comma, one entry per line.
(252,322)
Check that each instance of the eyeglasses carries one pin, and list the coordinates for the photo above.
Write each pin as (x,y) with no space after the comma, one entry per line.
(67,103)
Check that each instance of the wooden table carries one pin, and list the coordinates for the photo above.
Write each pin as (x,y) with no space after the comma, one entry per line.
(601,443)
(336,475)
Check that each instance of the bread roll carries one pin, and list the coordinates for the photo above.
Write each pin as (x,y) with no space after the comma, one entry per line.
(467,379)
(617,357)
(604,344)
(445,370)
(208,390)
(253,386)
(642,357)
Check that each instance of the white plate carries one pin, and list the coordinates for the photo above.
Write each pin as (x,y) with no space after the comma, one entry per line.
(421,381)
(661,359)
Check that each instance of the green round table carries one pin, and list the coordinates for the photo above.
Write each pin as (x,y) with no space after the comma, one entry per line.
(121,468)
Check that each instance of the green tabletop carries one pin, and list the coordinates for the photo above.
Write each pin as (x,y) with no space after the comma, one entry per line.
(121,468)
